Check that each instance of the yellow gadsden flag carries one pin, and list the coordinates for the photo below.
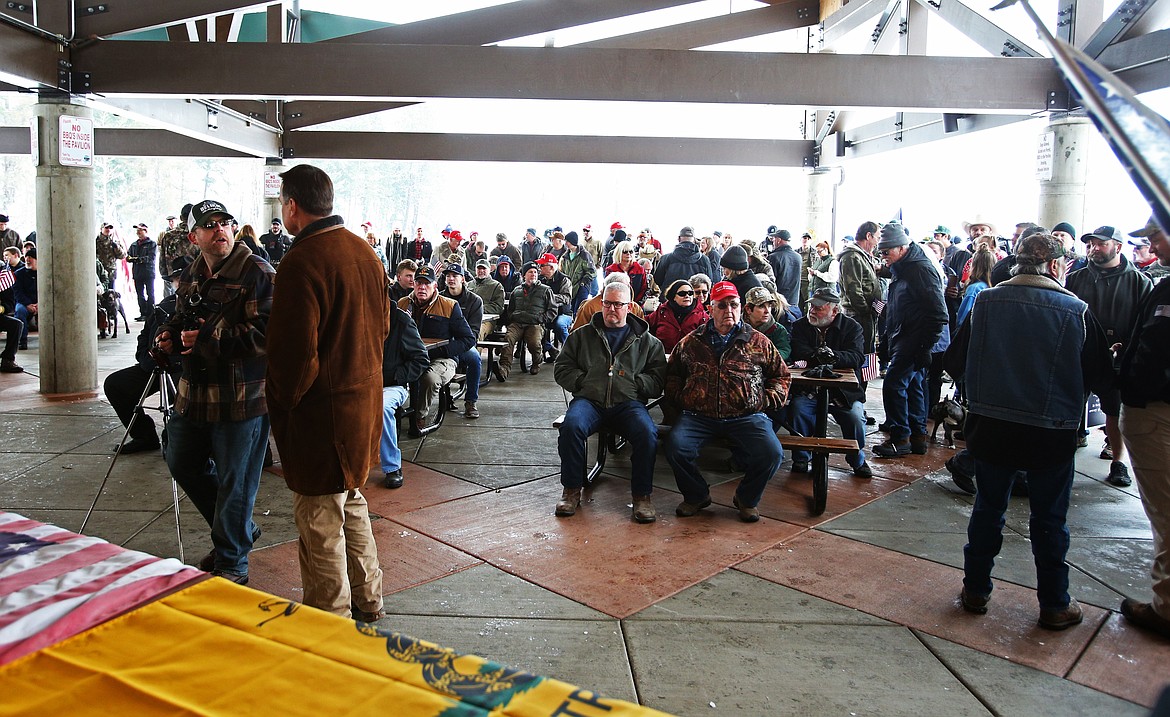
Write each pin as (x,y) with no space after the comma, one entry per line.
(216,648)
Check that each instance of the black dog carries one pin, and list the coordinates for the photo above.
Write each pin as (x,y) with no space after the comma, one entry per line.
(110,304)
(949,414)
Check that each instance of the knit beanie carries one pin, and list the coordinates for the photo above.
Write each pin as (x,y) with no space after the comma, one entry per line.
(735,258)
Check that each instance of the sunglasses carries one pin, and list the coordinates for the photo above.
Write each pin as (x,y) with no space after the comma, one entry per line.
(684,293)
(211,225)
(627,252)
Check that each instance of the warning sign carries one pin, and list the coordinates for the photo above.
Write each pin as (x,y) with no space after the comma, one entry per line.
(75,140)
(271,184)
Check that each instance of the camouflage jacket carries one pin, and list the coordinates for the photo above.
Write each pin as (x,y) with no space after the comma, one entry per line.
(109,251)
(172,245)
(748,377)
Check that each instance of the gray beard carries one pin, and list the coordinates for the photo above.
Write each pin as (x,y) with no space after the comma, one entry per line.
(820,322)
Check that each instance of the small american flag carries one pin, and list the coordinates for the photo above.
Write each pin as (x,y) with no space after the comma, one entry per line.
(6,279)
(869,369)
(55,584)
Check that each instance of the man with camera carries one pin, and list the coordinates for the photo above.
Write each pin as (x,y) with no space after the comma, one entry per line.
(218,435)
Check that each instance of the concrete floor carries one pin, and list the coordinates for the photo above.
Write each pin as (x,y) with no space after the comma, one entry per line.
(854,611)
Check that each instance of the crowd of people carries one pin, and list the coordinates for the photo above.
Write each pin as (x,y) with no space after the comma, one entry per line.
(709,329)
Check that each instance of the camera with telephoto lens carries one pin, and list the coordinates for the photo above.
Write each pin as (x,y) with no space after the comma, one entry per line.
(187,315)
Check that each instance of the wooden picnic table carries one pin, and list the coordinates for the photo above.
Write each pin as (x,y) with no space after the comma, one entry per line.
(821,446)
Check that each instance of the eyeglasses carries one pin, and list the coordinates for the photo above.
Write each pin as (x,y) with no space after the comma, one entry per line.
(684,293)
(614,305)
(704,292)
(211,225)
(726,304)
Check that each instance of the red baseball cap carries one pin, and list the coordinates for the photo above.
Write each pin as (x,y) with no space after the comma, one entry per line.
(615,226)
(724,290)
(547,259)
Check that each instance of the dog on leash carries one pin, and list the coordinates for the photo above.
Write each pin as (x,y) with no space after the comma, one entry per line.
(949,414)
(109,308)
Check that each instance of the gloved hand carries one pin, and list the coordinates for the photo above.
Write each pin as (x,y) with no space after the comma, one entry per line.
(825,355)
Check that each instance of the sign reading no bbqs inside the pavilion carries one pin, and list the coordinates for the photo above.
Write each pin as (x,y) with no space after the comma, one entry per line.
(75,140)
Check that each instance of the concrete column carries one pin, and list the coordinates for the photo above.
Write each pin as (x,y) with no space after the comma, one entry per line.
(820,212)
(66,256)
(271,204)
(1062,198)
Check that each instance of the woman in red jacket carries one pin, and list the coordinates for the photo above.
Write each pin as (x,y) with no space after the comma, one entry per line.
(626,261)
(678,315)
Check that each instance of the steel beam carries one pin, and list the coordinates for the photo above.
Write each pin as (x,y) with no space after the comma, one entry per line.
(15,140)
(723,28)
(307,113)
(156,143)
(399,72)
(191,119)
(985,33)
(913,129)
(121,17)
(1119,22)
(848,19)
(504,22)
(28,60)
(544,148)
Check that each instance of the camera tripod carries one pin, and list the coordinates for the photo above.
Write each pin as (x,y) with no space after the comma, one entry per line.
(166,397)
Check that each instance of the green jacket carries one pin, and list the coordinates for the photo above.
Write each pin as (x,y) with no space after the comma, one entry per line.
(579,268)
(858,280)
(532,305)
(586,369)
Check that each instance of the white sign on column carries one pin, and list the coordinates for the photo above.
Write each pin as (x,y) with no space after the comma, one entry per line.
(75,140)
(1044,149)
(271,184)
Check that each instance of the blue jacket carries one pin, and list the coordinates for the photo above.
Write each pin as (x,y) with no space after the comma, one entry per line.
(684,262)
(1065,351)
(915,313)
(788,268)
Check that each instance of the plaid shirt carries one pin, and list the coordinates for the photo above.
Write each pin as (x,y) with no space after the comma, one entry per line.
(223,376)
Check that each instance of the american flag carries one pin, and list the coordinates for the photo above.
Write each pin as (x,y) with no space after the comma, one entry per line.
(55,584)
(1138,136)
(6,278)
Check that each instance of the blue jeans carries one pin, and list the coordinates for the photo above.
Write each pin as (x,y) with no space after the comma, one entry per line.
(904,396)
(23,314)
(629,419)
(218,465)
(471,363)
(392,398)
(582,295)
(851,420)
(757,449)
(1048,496)
(561,326)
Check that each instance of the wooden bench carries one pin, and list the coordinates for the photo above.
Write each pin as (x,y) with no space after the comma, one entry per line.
(820,448)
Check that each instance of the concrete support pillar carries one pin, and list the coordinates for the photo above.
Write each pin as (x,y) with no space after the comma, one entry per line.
(271,204)
(820,212)
(1062,198)
(66,259)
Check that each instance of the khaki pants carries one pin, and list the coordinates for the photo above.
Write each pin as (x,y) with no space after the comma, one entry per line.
(438,375)
(338,556)
(1146,432)
(531,335)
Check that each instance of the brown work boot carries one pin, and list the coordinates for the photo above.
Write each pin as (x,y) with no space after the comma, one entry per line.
(1142,614)
(535,368)
(748,514)
(569,502)
(686,510)
(644,509)
(1063,618)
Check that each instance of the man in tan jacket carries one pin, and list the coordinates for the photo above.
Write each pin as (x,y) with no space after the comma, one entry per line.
(325,335)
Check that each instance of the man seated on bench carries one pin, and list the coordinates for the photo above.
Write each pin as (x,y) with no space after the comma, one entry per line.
(404,361)
(612,367)
(437,317)
(722,377)
(827,336)
(532,305)
(492,293)
(470,362)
